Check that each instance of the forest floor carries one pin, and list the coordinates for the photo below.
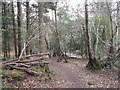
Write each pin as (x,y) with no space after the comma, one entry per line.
(75,75)
(70,75)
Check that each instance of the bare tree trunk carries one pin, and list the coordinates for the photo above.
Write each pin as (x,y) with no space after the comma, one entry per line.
(19,27)
(84,31)
(111,49)
(57,41)
(118,22)
(9,55)
(4,32)
(57,51)
(42,43)
(14,31)
(3,27)
(28,49)
(92,61)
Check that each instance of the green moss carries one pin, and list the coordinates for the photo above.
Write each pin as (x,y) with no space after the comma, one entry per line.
(43,79)
(97,67)
(91,83)
(2,73)
(101,64)
(16,76)
(37,68)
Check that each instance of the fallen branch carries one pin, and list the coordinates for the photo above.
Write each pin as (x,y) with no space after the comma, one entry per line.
(26,46)
(25,70)
(22,58)
(37,63)
(15,64)
(26,61)
(38,55)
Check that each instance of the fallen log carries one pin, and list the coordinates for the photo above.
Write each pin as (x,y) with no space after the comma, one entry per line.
(24,70)
(22,65)
(9,61)
(39,54)
(16,64)
(33,55)
(29,60)
(23,58)
(26,64)
(37,63)
(21,61)
(27,71)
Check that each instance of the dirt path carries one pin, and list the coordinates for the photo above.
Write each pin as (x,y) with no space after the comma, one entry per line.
(75,75)
(69,75)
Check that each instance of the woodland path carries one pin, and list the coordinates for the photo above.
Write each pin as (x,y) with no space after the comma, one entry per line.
(75,75)
(69,75)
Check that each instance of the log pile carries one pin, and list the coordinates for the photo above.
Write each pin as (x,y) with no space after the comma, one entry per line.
(27,57)
(25,65)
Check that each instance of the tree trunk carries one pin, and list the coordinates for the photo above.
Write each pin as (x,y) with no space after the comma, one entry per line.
(57,41)
(118,22)
(19,27)
(111,48)
(14,31)
(28,48)
(4,31)
(57,50)
(42,44)
(92,61)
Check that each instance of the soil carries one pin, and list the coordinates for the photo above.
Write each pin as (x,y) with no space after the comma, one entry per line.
(69,75)
(75,75)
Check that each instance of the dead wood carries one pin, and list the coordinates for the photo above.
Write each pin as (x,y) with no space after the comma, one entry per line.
(23,70)
(27,61)
(23,58)
(15,64)
(24,65)
(37,63)
(27,64)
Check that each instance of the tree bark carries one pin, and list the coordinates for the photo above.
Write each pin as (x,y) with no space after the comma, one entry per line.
(111,49)
(57,41)
(14,31)
(4,31)
(28,48)
(92,61)
(25,70)
(42,44)
(19,27)
(118,22)
(57,49)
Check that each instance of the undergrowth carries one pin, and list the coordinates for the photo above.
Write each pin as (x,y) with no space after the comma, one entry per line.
(100,65)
